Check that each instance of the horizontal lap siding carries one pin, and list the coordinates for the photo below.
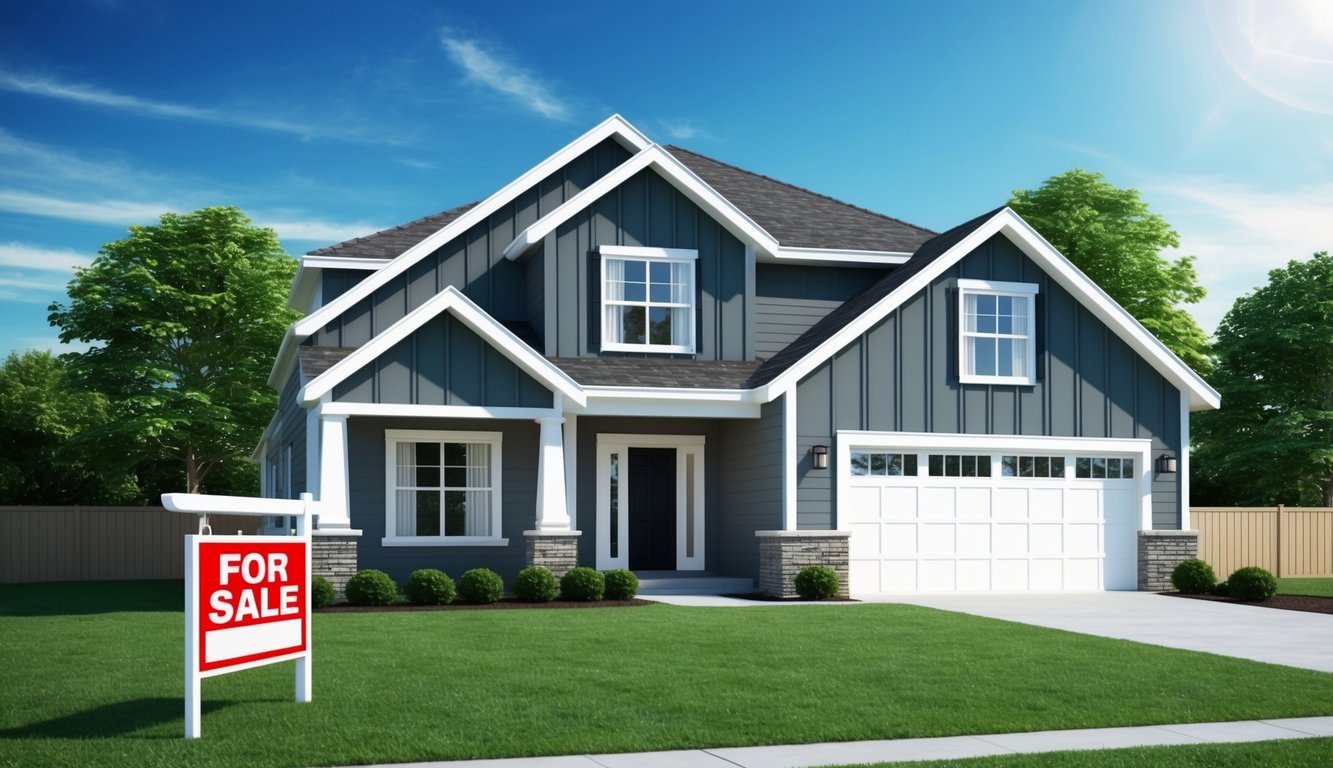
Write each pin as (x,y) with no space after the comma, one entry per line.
(902,375)
(791,298)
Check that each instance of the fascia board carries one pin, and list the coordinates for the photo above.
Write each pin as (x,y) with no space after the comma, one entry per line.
(612,126)
(303,285)
(835,256)
(285,360)
(342,262)
(450,299)
(700,394)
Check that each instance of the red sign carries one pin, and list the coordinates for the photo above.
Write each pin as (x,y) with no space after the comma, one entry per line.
(252,602)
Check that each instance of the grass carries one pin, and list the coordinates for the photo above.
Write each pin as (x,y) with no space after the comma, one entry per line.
(86,683)
(1290,753)
(1316,587)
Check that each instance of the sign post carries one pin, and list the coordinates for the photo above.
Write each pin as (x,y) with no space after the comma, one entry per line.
(247,598)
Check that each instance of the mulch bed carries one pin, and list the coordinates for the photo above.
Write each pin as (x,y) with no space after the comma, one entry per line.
(1281,602)
(503,605)
(764,598)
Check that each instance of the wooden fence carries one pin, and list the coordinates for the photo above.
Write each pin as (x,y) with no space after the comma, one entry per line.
(99,543)
(1288,541)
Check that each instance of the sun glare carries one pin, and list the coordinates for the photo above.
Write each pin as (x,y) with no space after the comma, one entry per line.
(1281,48)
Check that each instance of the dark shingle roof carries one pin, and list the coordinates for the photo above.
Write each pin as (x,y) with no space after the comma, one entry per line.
(656,372)
(316,360)
(800,218)
(388,243)
(857,305)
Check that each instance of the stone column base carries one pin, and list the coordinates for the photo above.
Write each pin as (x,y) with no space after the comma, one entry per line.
(557,550)
(782,554)
(333,556)
(1159,554)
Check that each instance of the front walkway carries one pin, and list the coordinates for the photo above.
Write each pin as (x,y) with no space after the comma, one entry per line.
(902,750)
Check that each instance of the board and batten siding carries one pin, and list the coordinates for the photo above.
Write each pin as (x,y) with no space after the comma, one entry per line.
(751,491)
(789,298)
(474,261)
(443,363)
(290,432)
(901,376)
(645,210)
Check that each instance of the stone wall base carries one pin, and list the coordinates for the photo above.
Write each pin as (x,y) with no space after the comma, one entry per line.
(782,554)
(557,550)
(1159,554)
(333,556)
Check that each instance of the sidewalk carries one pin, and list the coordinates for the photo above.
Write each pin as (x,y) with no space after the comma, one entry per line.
(901,750)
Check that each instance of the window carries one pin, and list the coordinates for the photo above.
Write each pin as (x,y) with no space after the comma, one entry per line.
(997,344)
(1032,466)
(883,464)
(1098,467)
(442,487)
(648,299)
(955,465)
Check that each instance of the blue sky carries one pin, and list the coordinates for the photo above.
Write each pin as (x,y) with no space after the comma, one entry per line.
(328,120)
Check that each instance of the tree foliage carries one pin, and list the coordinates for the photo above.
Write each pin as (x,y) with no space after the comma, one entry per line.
(1272,440)
(184,318)
(1112,236)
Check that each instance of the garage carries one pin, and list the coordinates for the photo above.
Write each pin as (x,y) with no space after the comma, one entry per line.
(976,513)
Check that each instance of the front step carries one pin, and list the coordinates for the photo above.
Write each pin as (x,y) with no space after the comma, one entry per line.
(687,583)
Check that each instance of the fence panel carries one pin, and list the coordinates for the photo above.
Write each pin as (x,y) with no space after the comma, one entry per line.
(1288,541)
(99,543)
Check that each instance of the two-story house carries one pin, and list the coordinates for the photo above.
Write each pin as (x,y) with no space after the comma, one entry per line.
(636,356)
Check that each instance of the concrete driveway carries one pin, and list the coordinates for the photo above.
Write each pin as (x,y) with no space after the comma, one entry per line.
(1292,638)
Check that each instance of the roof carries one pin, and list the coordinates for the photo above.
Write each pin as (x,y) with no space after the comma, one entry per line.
(799,218)
(656,372)
(317,360)
(388,243)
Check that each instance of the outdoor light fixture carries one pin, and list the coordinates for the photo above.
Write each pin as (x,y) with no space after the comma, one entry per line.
(819,453)
(1166,464)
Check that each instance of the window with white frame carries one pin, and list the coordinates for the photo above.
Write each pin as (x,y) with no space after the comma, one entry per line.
(648,299)
(442,487)
(997,342)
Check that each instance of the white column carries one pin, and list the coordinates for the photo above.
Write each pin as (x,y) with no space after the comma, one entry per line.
(552,505)
(333,472)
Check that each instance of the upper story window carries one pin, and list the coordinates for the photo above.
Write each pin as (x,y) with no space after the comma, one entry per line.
(648,299)
(997,343)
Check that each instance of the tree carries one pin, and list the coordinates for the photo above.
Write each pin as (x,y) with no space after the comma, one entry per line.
(185,317)
(1272,440)
(1112,236)
(39,412)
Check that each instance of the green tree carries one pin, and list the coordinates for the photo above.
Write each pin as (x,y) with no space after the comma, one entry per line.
(1112,236)
(184,318)
(39,413)
(1272,440)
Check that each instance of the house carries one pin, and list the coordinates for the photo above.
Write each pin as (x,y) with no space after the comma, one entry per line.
(634,356)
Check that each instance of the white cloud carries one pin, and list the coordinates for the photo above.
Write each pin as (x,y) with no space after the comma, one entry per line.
(318,230)
(503,77)
(18,288)
(116,212)
(683,130)
(23,256)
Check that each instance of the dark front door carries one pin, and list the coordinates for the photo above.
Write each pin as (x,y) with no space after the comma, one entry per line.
(652,509)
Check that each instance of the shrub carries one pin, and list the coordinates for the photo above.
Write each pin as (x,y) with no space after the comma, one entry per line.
(1252,585)
(816,582)
(321,592)
(481,586)
(1193,577)
(428,586)
(1221,589)
(621,584)
(371,587)
(583,585)
(535,584)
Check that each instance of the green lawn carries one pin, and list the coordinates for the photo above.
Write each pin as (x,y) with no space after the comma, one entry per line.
(1319,587)
(86,683)
(1291,753)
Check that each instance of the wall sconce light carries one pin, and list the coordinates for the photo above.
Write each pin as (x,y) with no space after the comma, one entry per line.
(1166,464)
(819,455)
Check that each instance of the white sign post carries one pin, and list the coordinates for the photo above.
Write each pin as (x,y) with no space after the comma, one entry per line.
(247,598)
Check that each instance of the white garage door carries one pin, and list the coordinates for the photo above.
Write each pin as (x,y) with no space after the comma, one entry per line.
(944,519)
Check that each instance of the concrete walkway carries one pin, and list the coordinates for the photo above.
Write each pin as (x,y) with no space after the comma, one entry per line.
(902,750)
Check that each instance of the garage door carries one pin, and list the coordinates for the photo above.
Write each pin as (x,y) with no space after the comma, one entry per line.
(948,519)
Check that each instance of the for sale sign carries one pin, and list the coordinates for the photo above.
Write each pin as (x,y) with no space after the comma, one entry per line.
(252,600)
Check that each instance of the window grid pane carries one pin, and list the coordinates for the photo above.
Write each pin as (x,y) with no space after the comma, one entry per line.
(442,489)
(995,334)
(649,302)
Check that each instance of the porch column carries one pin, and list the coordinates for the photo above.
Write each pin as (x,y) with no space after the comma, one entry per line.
(333,472)
(552,504)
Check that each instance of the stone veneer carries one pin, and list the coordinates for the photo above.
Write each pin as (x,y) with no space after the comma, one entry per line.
(557,550)
(1159,554)
(782,554)
(334,558)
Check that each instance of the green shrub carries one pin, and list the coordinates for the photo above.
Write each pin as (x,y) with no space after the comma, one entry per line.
(621,584)
(371,587)
(535,584)
(1252,585)
(481,586)
(582,585)
(1193,577)
(816,582)
(1221,589)
(428,586)
(321,592)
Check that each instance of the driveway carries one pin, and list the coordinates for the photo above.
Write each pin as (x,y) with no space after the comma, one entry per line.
(1292,638)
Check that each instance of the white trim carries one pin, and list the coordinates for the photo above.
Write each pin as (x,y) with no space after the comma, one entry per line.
(651,441)
(831,257)
(998,286)
(640,252)
(285,362)
(1027,292)
(571,470)
(1183,462)
(311,451)
(450,299)
(1060,269)
(444,541)
(669,408)
(433,411)
(789,463)
(634,253)
(609,443)
(333,476)
(392,437)
(342,262)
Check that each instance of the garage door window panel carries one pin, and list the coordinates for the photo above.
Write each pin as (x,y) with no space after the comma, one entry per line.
(958,465)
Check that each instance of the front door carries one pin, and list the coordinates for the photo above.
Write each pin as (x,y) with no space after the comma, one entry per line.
(652,509)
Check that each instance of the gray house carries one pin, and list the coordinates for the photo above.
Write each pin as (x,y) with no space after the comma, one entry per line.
(633,356)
